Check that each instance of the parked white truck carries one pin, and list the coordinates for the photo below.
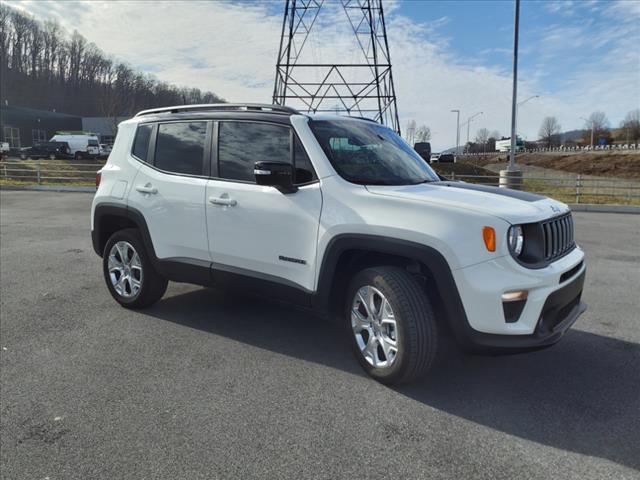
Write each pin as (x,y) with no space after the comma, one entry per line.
(81,144)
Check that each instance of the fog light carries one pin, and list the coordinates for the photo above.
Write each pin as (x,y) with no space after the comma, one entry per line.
(513,304)
(515,296)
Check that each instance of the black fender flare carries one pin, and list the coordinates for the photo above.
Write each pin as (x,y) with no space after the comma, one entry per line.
(428,256)
(125,212)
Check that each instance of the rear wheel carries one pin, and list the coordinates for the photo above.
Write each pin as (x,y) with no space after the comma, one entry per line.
(130,276)
(78,156)
(391,325)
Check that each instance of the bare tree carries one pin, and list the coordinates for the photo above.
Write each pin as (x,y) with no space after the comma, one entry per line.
(410,132)
(482,136)
(599,123)
(549,131)
(42,67)
(423,134)
(631,126)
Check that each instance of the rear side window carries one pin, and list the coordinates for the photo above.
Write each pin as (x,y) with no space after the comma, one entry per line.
(242,144)
(180,147)
(141,142)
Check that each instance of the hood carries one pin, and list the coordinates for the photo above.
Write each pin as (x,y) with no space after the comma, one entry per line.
(512,206)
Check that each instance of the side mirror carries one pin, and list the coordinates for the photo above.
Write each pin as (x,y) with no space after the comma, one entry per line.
(275,174)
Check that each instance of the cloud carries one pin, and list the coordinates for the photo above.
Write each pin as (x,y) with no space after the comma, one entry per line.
(231,48)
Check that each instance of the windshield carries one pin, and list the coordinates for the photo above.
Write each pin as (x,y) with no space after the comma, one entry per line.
(370,154)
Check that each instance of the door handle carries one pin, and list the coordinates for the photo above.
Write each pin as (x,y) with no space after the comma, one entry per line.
(223,201)
(147,189)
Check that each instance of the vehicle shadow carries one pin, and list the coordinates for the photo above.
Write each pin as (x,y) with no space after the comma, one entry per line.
(582,395)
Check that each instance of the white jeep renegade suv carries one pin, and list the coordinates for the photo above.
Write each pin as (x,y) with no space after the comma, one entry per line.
(339,215)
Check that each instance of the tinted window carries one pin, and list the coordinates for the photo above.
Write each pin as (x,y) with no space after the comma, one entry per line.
(242,144)
(141,142)
(368,153)
(304,169)
(180,147)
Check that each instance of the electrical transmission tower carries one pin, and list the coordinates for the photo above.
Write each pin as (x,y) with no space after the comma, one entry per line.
(363,88)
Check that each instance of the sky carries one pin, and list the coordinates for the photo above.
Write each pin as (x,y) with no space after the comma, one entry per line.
(577,56)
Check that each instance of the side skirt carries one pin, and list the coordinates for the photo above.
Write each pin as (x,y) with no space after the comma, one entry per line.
(208,274)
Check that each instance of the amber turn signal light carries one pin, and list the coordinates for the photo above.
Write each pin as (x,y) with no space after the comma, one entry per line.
(489,237)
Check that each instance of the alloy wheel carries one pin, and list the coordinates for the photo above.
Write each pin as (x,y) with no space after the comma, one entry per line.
(374,327)
(125,269)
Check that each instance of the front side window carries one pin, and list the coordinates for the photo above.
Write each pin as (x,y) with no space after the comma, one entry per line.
(367,153)
(141,142)
(180,147)
(242,144)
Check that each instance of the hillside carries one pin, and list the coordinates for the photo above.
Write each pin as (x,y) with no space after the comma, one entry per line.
(604,164)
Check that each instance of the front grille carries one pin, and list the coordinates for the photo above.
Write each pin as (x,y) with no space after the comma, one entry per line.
(558,236)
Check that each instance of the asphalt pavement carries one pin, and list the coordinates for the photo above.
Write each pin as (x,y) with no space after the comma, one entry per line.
(212,385)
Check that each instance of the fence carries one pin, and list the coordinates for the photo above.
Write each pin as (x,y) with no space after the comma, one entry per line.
(49,171)
(570,189)
(576,189)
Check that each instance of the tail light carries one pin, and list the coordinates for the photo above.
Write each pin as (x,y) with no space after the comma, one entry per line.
(98,178)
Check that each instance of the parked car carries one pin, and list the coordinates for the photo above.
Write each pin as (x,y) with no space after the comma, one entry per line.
(50,150)
(341,216)
(423,149)
(82,145)
(446,158)
(105,150)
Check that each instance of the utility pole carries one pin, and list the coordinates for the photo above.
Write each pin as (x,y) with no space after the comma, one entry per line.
(457,130)
(514,100)
(362,88)
(593,124)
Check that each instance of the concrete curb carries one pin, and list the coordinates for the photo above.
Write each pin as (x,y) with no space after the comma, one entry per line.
(595,207)
(50,188)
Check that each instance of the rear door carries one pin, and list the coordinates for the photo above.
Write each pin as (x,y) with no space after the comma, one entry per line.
(169,188)
(255,230)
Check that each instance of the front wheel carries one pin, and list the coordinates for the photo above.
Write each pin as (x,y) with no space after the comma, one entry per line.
(391,324)
(130,276)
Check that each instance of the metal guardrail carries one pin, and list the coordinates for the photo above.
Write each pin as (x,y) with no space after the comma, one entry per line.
(626,147)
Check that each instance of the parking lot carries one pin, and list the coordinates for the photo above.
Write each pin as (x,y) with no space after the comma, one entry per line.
(211,385)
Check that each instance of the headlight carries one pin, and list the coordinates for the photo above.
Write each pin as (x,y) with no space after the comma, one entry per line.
(515,239)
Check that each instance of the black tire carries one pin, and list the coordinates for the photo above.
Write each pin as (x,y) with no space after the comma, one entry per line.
(153,285)
(52,156)
(417,335)
(78,156)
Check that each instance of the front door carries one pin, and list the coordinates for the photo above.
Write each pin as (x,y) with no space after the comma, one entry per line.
(256,230)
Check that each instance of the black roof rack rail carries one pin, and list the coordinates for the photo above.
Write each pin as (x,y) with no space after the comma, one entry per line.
(250,107)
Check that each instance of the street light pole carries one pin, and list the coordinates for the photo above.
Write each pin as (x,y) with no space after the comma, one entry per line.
(469,122)
(521,103)
(512,153)
(457,130)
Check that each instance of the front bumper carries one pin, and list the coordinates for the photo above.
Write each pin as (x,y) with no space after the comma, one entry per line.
(553,305)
